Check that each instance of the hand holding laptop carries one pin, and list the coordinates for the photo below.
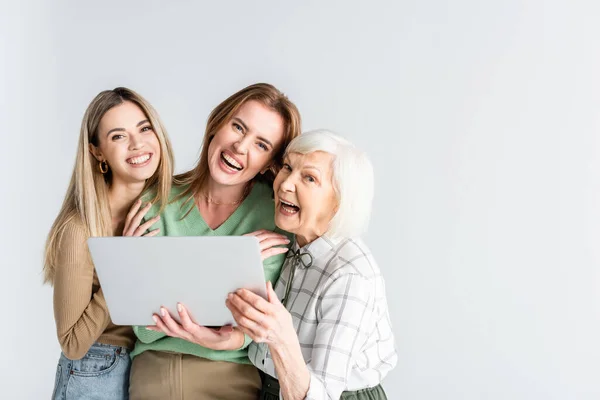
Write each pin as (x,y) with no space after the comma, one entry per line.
(222,338)
(215,338)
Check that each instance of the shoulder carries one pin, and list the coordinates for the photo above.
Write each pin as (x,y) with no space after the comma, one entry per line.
(261,192)
(74,230)
(351,277)
(174,204)
(72,241)
(261,205)
(352,257)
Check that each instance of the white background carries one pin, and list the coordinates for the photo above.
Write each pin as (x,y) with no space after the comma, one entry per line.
(481,119)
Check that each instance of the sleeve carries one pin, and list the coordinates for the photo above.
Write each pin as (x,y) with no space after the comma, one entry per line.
(345,306)
(146,335)
(81,316)
(247,341)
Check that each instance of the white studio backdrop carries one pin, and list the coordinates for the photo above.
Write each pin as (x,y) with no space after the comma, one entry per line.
(481,119)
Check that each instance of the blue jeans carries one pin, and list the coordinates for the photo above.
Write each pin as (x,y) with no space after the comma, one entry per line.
(103,373)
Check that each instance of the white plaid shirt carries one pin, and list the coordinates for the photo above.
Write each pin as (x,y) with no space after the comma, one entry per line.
(339,309)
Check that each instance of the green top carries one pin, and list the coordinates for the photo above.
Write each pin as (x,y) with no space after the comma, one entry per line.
(254,213)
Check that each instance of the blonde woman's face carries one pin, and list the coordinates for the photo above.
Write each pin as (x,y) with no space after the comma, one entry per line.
(245,145)
(128,143)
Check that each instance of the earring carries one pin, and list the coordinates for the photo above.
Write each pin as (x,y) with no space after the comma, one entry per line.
(103,166)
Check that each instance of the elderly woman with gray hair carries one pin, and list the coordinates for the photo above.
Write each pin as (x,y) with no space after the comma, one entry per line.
(330,335)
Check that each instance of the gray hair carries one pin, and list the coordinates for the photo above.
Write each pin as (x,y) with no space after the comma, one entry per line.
(353,180)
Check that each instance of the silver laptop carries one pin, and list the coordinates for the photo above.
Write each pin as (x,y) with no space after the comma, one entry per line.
(138,275)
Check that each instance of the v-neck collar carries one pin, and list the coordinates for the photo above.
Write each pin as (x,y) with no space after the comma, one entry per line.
(195,217)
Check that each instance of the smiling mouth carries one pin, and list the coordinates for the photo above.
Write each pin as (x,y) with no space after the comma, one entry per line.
(230,162)
(139,159)
(289,208)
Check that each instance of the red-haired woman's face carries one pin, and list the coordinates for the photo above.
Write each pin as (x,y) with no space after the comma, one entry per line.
(245,145)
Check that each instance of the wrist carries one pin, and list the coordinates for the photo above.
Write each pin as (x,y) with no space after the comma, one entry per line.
(237,339)
(294,376)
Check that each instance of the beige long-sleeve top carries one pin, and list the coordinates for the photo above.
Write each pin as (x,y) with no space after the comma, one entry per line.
(80,310)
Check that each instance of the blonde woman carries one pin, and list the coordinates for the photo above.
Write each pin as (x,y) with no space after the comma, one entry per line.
(123,150)
(228,193)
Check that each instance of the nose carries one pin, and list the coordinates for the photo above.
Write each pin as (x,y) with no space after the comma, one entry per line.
(241,146)
(288,184)
(136,142)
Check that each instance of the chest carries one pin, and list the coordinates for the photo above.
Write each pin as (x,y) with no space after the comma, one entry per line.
(215,215)
(303,297)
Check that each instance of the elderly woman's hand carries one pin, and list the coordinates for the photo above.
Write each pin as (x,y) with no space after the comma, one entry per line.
(264,321)
(223,338)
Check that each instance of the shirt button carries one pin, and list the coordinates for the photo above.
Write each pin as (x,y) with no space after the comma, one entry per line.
(263,361)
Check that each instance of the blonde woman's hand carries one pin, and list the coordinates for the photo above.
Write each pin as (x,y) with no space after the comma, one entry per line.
(134,218)
(268,240)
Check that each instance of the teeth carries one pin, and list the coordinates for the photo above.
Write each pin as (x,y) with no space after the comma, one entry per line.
(139,160)
(288,204)
(289,209)
(232,161)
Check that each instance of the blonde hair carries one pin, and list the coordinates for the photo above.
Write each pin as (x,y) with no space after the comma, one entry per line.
(87,194)
(353,180)
(267,95)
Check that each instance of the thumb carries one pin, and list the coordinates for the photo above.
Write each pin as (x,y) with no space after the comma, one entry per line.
(271,295)
(226,329)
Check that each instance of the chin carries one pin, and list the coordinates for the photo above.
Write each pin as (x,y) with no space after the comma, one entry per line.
(224,180)
(281,224)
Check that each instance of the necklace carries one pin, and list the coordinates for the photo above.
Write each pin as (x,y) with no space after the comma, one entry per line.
(211,201)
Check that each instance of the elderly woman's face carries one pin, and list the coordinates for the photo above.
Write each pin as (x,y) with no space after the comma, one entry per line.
(305,200)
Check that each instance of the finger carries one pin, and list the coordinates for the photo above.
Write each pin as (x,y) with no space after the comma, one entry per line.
(271,295)
(160,325)
(173,325)
(134,209)
(267,239)
(249,316)
(259,336)
(250,333)
(137,218)
(263,233)
(145,226)
(225,330)
(236,312)
(245,323)
(153,328)
(256,233)
(253,300)
(194,330)
(186,320)
(273,251)
(273,241)
(152,233)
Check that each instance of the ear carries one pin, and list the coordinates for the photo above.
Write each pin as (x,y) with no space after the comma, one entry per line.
(266,168)
(96,152)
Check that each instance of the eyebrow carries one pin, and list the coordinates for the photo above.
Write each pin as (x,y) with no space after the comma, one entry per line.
(239,121)
(311,167)
(287,161)
(142,122)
